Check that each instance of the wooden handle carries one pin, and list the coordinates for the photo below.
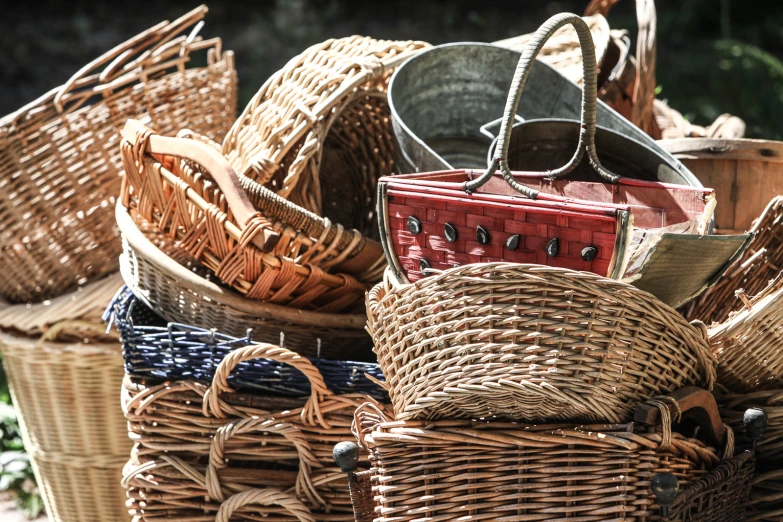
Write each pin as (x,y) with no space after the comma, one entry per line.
(217,166)
(695,403)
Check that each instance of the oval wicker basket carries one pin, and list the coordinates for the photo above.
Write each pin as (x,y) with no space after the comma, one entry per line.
(529,342)
(318,132)
(212,441)
(178,288)
(60,160)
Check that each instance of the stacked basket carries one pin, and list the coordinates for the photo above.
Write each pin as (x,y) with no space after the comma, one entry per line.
(61,169)
(245,288)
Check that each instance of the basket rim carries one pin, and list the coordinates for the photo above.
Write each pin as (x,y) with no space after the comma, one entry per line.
(140,243)
(742,149)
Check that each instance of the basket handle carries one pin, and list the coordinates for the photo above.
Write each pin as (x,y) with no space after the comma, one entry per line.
(150,39)
(644,91)
(307,460)
(589,104)
(264,497)
(318,390)
(252,223)
(697,402)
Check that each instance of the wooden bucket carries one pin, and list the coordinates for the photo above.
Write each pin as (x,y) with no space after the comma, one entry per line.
(744,173)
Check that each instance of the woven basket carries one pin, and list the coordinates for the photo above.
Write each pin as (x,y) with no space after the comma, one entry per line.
(196,444)
(181,290)
(448,469)
(767,493)
(65,393)
(157,350)
(318,132)
(734,405)
(59,155)
(750,275)
(529,342)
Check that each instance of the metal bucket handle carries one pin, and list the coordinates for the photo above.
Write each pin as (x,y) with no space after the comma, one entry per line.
(589,105)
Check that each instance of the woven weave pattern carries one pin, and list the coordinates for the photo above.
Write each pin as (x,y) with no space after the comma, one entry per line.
(283,136)
(535,230)
(529,342)
(197,445)
(60,161)
(445,470)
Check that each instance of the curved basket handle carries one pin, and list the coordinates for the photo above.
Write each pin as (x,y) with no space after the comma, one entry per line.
(699,403)
(318,389)
(149,39)
(644,91)
(366,417)
(264,497)
(254,227)
(589,104)
(307,460)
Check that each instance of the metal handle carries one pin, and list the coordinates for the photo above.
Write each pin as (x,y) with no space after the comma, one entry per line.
(589,104)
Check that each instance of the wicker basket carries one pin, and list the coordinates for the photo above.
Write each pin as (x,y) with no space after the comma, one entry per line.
(181,290)
(767,493)
(529,342)
(65,393)
(318,132)
(750,275)
(503,471)
(734,405)
(154,349)
(59,155)
(198,444)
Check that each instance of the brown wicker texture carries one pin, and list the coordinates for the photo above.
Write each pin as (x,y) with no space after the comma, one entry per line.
(767,493)
(180,289)
(197,445)
(632,91)
(445,470)
(205,210)
(65,393)
(744,174)
(529,342)
(332,94)
(750,275)
(59,155)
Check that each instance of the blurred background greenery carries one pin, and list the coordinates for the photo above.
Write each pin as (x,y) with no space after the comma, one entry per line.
(714,56)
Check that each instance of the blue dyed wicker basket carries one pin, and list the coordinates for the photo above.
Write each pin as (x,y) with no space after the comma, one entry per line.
(158,350)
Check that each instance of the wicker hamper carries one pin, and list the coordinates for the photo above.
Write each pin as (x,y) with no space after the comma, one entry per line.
(60,160)
(485,470)
(199,444)
(65,387)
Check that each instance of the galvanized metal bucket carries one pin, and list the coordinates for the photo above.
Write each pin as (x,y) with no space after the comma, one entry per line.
(541,145)
(443,102)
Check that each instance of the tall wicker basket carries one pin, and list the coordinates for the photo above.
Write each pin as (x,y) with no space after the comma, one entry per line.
(65,386)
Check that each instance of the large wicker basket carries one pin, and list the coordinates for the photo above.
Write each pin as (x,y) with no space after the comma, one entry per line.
(65,391)
(487,470)
(60,158)
(197,445)
(529,342)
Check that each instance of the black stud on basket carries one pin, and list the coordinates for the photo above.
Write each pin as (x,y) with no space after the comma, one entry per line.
(346,456)
(665,487)
(755,420)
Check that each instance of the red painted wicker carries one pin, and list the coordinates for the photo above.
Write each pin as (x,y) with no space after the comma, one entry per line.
(439,220)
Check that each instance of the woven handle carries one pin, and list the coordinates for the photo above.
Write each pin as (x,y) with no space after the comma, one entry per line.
(644,91)
(318,389)
(140,46)
(264,497)
(589,104)
(307,460)
(253,226)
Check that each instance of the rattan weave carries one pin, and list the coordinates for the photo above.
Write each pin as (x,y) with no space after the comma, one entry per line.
(733,406)
(529,342)
(448,469)
(197,444)
(302,118)
(65,393)
(59,155)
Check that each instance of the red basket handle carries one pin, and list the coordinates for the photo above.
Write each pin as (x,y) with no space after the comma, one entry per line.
(218,167)
(264,497)
(307,460)
(145,43)
(589,104)
(318,389)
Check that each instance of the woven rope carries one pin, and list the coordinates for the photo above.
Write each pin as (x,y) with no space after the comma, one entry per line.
(529,342)
(60,160)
